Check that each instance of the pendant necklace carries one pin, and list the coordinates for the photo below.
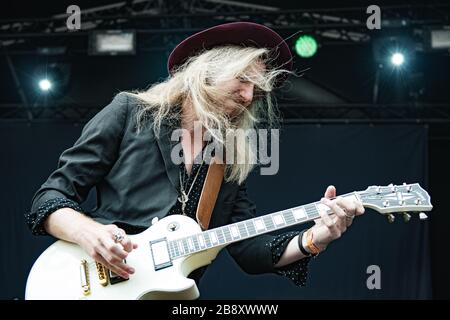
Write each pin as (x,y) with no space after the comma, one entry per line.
(184,197)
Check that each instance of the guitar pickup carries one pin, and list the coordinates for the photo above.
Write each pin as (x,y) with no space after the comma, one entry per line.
(115,278)
(160,254)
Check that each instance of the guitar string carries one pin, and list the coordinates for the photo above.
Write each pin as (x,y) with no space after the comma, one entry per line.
(310,210)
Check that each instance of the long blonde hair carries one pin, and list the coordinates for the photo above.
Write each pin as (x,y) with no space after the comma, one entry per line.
(195,80)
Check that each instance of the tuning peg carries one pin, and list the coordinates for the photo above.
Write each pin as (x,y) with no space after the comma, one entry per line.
(390,218)
(406,217)
(423,216)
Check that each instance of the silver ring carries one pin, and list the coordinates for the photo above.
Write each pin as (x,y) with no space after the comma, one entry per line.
(118,236)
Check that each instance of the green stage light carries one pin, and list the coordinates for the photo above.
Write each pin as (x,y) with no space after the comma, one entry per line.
(306,46)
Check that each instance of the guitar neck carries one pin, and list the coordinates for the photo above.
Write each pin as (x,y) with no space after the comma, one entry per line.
(222,236)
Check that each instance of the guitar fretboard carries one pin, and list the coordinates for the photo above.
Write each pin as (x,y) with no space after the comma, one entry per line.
(242,230)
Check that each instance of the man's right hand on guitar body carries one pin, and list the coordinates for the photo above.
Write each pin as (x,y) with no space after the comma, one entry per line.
(106,244)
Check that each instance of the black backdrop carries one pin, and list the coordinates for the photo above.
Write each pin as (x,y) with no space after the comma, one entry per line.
(349,156)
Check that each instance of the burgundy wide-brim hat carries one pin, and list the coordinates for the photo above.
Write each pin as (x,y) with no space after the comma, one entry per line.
(235,33)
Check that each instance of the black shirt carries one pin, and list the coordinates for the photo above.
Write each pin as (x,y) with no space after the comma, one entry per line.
(126,167)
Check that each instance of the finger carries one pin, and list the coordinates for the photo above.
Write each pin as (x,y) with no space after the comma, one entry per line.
(337,210)
(347,205)
(126,241)
(340,223)
(340,220)
(115,231)
(326,219)
(340,226)
(127,244)
(124,267)
(359,208)
(330,192)
(115,254)
(118,251)
(114,265)
(115,249)
(335,229)
(339,207)
(99,258)
(121,271)
(120,248)
(349,209)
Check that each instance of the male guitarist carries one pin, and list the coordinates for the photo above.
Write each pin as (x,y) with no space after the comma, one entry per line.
(221,78)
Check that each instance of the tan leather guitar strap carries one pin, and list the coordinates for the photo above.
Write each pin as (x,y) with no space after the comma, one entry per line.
(210,190)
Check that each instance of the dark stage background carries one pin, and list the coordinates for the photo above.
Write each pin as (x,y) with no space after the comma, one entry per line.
(311,157)
(337,130)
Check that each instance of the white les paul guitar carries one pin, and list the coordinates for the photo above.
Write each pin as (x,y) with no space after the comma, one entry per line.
(175,246)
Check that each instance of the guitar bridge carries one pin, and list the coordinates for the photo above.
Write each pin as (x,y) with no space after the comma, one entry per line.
(84,278)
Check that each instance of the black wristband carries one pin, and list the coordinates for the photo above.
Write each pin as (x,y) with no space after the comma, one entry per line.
(300,244)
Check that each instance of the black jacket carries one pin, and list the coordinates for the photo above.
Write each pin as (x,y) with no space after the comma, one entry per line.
(136,180)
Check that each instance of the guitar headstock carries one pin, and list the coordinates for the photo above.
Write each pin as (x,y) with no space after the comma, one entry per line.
(401,199)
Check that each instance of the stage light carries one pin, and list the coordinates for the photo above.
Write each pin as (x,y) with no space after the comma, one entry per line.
(440,39)
(52,79)
(397,51)
(397,59)
(306,46)
(437,39)
(45,85)
(112,42)
(394,55)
